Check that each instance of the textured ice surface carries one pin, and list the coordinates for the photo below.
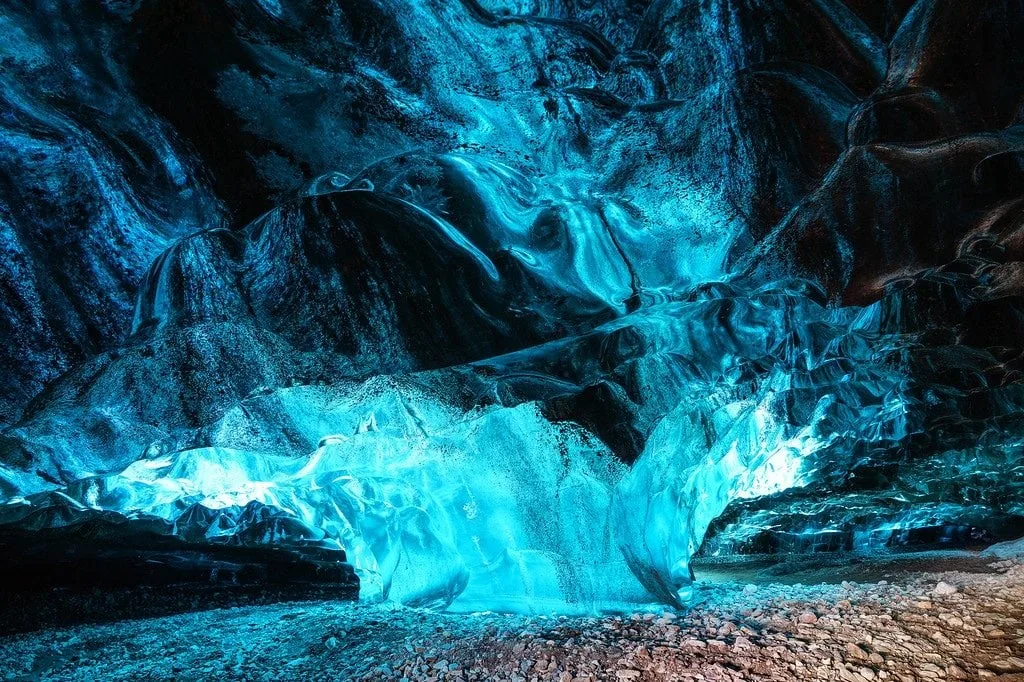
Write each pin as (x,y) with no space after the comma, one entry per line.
(522,305)
(434,506)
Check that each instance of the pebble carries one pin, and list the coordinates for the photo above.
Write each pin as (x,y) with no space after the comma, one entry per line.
(855,652)
(862,633)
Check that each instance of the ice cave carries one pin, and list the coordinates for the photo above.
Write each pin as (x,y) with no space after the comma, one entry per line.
(512,339)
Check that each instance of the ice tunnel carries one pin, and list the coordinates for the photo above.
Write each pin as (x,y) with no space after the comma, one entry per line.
(515,306)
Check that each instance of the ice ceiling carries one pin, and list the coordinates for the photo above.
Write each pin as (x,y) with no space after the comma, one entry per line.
(520,304)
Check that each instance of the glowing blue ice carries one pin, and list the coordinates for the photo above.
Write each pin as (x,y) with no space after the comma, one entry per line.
(523,311)
(434,506)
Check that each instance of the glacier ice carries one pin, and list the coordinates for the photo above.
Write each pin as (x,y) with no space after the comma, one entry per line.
(434,506)
(514,306)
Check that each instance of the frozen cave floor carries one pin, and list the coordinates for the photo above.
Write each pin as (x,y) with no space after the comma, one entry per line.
(925,616)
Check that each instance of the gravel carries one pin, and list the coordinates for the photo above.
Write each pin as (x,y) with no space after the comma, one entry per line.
(915,626)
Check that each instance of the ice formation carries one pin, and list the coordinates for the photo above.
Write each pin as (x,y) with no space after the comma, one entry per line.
(514,306)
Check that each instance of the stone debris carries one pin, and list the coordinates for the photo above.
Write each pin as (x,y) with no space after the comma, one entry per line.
(886,631)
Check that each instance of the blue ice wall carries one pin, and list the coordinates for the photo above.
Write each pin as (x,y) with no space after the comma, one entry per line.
(515,305)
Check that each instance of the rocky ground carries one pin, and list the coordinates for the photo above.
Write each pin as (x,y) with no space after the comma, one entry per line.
(952,618)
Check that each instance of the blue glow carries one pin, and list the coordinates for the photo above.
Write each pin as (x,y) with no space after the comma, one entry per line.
(521,306)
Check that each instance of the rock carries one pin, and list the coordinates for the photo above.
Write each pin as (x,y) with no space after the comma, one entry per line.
(849,676)
(750,589)
(1012,548)
(855,652)
(955,672)
(807,618)
(944,589)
